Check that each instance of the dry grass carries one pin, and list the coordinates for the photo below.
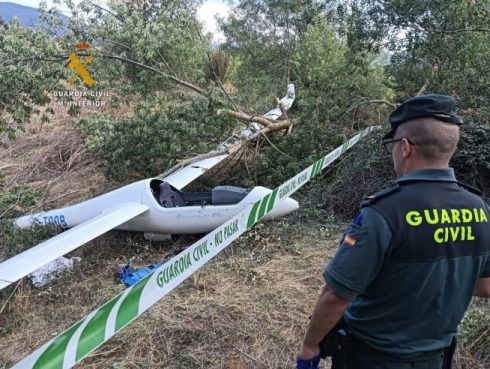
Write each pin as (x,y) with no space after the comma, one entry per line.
(55,163)
(246,309)
(51,157)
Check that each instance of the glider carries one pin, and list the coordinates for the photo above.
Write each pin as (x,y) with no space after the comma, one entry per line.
(157,207)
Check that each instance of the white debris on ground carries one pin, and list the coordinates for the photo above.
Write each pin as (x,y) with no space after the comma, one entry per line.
(52,270)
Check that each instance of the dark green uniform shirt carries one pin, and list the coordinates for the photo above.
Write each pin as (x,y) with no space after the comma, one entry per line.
(409,299)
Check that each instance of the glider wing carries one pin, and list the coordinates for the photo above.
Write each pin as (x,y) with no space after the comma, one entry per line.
(186,175)
(28,261)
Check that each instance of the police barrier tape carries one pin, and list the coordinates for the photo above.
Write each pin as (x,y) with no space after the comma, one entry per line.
(88,334)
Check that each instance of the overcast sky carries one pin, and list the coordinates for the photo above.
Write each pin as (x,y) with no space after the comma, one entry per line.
(206,13)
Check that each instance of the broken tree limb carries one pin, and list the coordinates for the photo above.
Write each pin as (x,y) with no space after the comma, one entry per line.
(156,71)
(232,149)
(247,118)
(106,55)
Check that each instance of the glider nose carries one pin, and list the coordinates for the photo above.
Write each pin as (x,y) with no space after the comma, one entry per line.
(25,222)
(283,208)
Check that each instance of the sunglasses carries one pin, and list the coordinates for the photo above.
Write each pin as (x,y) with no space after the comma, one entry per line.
(388,144)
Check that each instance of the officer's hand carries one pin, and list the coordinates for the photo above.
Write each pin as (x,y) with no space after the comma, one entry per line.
(308,364)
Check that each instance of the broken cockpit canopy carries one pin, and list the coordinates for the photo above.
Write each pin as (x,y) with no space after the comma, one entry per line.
(170,197)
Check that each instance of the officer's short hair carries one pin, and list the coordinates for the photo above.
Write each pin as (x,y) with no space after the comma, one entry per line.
(433,140)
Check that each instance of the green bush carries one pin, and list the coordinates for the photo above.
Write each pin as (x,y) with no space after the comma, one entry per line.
(161,131)
(14,240)
(335,100)
(14,202)
(363,170)
(367,168)
(472,159)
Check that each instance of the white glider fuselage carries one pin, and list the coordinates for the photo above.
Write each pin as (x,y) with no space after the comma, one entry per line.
(153,206)
(157,219)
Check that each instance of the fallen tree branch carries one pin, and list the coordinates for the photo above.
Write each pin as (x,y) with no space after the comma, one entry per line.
(33,59)
(105,55)
(232,149)
(147,67)
(247,118)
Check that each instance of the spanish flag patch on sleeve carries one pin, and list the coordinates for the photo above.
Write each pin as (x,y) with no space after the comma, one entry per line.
(349,240)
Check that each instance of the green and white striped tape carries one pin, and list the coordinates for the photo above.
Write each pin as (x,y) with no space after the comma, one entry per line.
(84,337)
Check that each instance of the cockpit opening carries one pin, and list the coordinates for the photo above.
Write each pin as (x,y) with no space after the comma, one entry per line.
(170,197)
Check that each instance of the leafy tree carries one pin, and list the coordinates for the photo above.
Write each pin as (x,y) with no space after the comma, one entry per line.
(263,36)
(25,86)
(161,131)
(140,51)
(138,48)
(336,98)
(162,35)
(435,46)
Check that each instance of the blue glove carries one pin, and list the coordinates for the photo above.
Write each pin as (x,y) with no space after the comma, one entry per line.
(308,364)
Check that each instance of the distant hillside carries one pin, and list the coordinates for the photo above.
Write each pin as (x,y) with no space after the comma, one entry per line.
(28,16)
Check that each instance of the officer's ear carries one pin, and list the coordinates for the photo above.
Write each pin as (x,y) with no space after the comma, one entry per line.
(407,147)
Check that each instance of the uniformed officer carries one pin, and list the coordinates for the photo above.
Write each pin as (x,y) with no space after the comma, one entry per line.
(408,265)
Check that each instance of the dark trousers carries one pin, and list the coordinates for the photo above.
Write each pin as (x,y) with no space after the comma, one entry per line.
(359,356)
(348,352)
(362,360)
